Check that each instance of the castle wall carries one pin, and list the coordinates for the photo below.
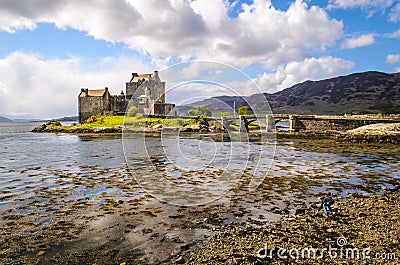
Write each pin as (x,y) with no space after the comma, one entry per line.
(119,105)
(89,106)
(164,109)
(93,105)
(131,88)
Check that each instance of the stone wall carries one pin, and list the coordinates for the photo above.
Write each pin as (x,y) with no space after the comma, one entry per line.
(164,109)
(89,106)
(321,125)
(118,105)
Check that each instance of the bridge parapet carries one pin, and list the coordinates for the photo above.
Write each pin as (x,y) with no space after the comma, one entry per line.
(316,123)
(334,123)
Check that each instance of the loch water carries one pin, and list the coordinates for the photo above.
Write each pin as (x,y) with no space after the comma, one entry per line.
(61,194)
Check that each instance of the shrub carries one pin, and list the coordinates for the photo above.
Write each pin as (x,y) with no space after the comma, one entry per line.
(154,121)
(91,119)
(242,110)
(196,121)
(54,123)
(199,111)
(138,116)
(132,111)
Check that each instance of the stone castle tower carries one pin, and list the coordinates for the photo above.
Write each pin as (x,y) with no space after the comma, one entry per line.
(144,91)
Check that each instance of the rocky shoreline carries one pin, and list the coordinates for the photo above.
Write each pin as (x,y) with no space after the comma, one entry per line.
(362,230)
(375,133)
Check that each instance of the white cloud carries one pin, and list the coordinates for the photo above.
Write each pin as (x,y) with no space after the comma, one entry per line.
(369,6)
(393,58)
(361,41)
(213,14)
(272,37)
(394,14)
(49,88)
(308,69)
(12,24)
(360,3)
(393,35)
(187,29)
(164,30)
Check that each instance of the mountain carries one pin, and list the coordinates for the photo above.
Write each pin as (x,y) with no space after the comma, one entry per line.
(215,104)
(2,119)
(367,92)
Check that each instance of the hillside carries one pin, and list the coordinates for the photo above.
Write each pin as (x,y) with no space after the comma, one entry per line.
(368,92)
(2,119)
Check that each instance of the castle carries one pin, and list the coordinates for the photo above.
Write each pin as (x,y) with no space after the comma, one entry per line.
(144,91)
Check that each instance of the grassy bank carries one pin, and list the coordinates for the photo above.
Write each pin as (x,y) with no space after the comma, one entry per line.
(135,122)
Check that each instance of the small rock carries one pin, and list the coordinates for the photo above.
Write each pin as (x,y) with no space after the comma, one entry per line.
(180,260)
(300,211)
(40,253)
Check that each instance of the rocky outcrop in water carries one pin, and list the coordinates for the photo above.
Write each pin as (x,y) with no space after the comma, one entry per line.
(374,133)
(195,128)
(55,127)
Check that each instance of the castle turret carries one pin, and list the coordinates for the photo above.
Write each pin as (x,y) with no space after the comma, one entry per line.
(84,92)
(133,76)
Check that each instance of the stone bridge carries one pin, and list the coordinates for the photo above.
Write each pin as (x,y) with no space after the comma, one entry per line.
(317,123)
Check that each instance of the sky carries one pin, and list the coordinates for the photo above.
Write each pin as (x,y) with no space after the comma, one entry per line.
(50,49)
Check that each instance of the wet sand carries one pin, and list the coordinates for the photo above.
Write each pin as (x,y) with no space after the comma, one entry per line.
(362,230)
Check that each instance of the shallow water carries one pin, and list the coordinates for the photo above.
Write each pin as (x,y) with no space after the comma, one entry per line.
(61,194)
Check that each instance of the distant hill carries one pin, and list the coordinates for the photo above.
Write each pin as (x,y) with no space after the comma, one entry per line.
(2,119)
(69,118)
(368,92)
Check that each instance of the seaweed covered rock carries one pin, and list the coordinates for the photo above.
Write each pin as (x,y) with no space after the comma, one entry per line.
(50,126)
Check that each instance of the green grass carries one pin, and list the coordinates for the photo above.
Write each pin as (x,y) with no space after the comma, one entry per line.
(135,122)
(105,121)
(138,122)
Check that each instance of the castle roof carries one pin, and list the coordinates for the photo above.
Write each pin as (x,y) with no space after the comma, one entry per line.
(96,92)
(141,76)
(93,92)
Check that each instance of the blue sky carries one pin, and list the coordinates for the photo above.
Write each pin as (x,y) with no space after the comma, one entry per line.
(50,49)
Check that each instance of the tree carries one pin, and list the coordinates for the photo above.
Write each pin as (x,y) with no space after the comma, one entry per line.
(132,111)
(242,110)
(199,111)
